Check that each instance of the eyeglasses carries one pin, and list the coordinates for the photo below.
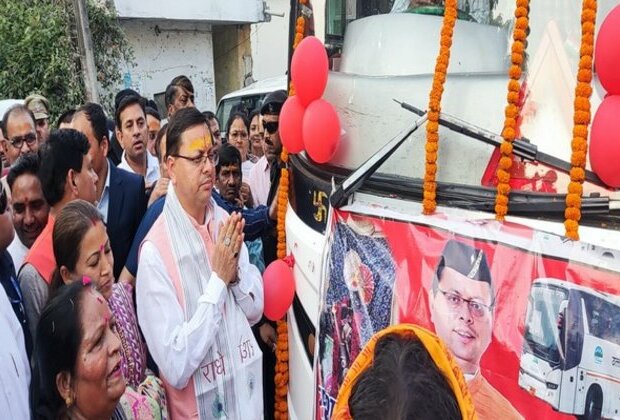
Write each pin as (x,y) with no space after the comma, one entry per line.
(455,301)
(18,142)
(3,200)
(201,159)
(271,127)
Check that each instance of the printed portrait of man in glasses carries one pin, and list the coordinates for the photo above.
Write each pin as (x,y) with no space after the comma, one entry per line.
(462,301)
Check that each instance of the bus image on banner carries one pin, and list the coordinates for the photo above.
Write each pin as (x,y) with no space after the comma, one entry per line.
(571,352)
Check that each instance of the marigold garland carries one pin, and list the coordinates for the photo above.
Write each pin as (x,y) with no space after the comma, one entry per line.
(429,202)
(281,376)
(509,133)
(581,120)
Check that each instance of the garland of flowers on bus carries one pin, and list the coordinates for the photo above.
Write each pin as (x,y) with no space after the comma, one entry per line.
(281,375)
(429,201)
(519,37)
(581,119)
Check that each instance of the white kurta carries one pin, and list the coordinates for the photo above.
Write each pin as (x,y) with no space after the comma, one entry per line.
(178,343)
(14,366)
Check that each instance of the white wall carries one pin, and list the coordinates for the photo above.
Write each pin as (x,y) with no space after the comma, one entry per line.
(270,42)
(164,50)
(214,11)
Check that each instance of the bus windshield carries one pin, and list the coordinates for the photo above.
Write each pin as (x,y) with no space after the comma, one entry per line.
(542,335)
(383,51)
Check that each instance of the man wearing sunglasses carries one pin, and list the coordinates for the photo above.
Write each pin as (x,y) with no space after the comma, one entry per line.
(462,300)
(179,95)
(261,175)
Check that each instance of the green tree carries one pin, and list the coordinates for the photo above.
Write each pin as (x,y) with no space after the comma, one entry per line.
(39,53)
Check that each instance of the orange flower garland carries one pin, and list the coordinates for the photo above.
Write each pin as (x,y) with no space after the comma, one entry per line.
(581,120)
(429,202)
(281,376)
(519,37)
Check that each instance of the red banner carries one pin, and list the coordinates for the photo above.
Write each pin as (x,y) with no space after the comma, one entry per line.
(532,319)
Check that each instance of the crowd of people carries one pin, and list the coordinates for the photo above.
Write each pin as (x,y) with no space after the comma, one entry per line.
(131,255)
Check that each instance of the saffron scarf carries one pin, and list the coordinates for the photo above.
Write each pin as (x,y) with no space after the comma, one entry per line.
(441,356)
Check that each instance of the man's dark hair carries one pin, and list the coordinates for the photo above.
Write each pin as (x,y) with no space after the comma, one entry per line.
(160,135)
(66,117)
(173,88)
(184,82)
(403,382)
(25,164)
(228,155)
(170,95)
(17,109)
(98,121)
(122,95)
(181,121)
(152,112)
(127,102)
(64,150)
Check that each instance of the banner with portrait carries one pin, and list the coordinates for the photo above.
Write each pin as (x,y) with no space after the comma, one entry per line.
(532,319)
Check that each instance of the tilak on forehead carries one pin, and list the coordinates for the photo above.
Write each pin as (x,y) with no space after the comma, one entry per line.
(200,143)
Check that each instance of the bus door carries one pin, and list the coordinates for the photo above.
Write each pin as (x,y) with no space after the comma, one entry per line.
(571,331)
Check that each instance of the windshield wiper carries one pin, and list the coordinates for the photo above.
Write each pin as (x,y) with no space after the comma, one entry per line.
(354,181)
(521,147)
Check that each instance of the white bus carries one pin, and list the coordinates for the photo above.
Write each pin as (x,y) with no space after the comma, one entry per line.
(571,350)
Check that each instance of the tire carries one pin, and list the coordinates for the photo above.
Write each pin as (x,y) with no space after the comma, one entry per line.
(594,404)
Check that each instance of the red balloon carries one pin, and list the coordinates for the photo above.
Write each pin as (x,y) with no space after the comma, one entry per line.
(321,131)
(279,289)
(309,68)
(605,141)
(291,121)
(607,52)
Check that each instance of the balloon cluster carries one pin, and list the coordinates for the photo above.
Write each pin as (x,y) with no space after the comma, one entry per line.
(307,121)
(605,136)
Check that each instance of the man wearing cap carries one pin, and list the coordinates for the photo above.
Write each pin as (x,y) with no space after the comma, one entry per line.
(462,301)
(40,106)
(265,171)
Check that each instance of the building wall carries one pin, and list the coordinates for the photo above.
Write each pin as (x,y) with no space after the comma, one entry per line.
(232,58)
(270,42)
(166,49)
(214,11)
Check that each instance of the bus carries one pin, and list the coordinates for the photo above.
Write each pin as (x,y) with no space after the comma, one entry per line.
(571,349)
(382,55)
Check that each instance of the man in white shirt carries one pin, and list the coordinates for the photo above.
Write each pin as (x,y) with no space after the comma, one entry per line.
(197,294)
(30,209)
(14,366)
(132,133)
(260,175)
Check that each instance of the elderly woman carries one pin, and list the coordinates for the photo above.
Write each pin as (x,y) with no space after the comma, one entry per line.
(82,249)
(77,363)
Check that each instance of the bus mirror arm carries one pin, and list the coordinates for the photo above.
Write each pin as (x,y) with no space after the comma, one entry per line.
(521,147)
(354,181)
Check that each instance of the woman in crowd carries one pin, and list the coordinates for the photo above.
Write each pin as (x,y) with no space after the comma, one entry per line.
(256,134)
(237,130)
(82,249)
(77,363)
(404,372)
